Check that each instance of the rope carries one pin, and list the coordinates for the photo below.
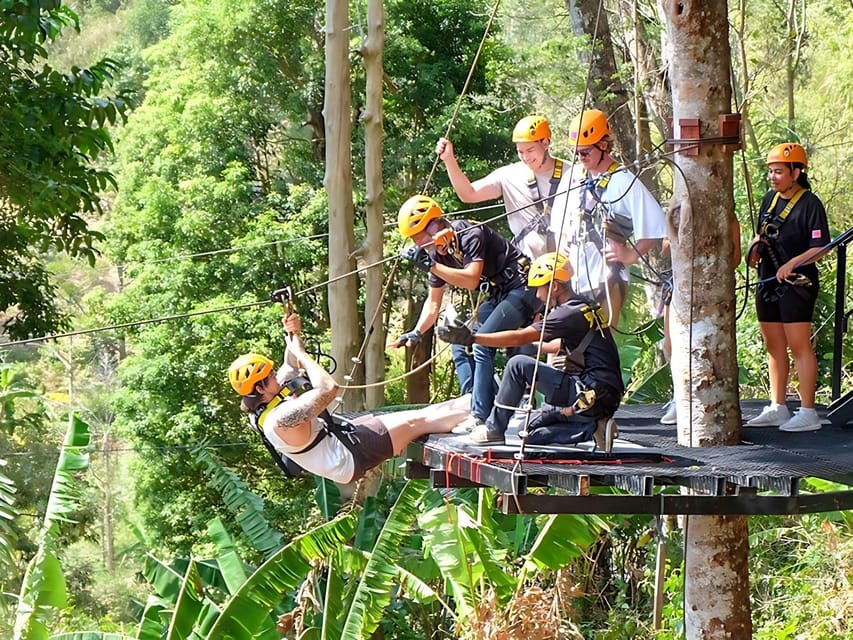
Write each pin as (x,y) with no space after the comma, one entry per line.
(464,90)
(359,358)
(532,396)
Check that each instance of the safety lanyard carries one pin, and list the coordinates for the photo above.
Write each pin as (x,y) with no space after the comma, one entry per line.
(600,183)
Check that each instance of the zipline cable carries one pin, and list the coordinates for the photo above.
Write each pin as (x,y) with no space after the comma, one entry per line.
(180,316)
(190,314)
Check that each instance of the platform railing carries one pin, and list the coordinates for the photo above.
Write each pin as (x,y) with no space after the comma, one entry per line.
(842,315)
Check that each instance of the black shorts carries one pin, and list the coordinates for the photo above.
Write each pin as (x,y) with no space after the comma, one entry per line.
(795,304)
(369,443)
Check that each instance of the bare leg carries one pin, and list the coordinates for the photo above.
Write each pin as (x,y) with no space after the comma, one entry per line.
(798,336)
(405,426)
(777,351)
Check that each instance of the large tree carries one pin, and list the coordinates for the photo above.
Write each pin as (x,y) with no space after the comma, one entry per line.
(704,362)
(55,127)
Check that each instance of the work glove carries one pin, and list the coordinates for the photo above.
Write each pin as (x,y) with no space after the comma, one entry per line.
(409,339)
(418,256)
(455,334)
(548,414)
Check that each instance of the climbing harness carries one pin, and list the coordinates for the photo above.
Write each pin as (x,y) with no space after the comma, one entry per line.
(770,223)
(295,387)
(541,223)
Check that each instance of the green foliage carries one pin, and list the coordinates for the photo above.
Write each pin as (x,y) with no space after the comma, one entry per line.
(7,514)
(43,588)
(55,129)
(247,508)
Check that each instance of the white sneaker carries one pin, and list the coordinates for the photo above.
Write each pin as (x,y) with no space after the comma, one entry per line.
(802,420)
(482,435)
(467,425)
(770,416)
(669,416)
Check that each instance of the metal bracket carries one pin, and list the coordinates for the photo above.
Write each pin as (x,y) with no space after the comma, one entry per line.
(690,137)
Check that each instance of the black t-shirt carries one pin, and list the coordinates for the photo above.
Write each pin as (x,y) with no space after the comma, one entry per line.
(570,323)
(479,243)
(805,227)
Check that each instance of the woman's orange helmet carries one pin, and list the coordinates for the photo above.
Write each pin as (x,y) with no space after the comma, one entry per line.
(788,152)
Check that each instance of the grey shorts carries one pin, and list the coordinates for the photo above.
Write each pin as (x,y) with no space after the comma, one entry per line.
(369,443)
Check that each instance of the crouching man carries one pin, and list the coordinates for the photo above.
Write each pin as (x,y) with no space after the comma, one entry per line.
(582,398)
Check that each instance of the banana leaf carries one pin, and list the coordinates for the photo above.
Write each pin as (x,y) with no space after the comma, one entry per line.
(43,586)
(380,576)
(248,508)
(247,612)
(563,538)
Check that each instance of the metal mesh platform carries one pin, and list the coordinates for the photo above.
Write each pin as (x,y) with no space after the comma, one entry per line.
(761,475)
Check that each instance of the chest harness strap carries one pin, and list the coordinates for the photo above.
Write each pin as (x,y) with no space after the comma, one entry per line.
(773,221)
(542,222)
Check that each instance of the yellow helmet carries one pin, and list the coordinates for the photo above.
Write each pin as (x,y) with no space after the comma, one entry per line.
(788,152)
(549,266)
(531,129)
(247,371)
(416,213)
(589,127)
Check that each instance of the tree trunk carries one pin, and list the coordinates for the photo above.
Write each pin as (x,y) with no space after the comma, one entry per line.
(374,357)
(343,292)
(704,361)
(108,544)
(606,90)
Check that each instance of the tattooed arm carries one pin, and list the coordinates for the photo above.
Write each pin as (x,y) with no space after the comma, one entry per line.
(292,418)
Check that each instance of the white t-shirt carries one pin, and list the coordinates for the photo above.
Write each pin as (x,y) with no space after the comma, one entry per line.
(518,200)
(624,198)
(330,458)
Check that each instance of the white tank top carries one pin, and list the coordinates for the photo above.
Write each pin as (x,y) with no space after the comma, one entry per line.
(329,458)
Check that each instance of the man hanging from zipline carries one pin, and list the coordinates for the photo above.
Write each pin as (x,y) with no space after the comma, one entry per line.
(289,409)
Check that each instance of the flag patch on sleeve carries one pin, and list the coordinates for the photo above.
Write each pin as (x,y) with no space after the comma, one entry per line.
(816,233)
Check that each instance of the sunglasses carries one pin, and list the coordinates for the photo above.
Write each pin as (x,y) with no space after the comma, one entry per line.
(583,153)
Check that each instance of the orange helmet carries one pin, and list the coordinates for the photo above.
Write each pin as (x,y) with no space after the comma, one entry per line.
(416,213)
(531,129)
(548,267)
(247,371)
(589,127)
(788,152)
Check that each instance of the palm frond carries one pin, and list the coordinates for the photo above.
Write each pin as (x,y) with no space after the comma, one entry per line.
(43,586)
(247,612)
(248,508)
(8,512)
(380,575)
